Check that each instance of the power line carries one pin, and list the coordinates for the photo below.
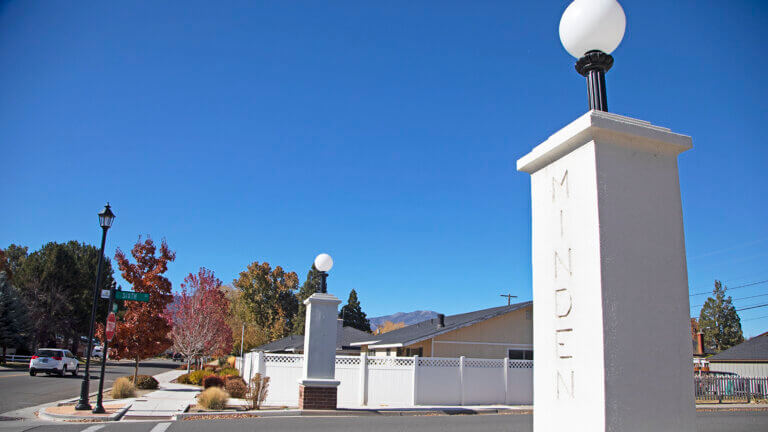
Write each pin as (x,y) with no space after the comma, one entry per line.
(752,307)
(740,298)
(756,318)
(731,288)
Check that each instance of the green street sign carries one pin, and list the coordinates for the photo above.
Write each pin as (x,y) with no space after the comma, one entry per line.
(131,295)
(114,307)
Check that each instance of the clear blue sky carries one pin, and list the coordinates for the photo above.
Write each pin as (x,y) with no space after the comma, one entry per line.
(383,134)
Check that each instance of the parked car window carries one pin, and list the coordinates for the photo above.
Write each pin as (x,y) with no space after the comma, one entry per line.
(68,354)
(47,353)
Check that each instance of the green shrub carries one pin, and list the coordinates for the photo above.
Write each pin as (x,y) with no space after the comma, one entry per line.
(183,379)
(213,381)
(229,372)
(123,388)
(213,398)
(143,382)
(196,377)
(235,387)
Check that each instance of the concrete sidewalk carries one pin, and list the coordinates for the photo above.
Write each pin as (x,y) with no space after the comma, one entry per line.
(168,401)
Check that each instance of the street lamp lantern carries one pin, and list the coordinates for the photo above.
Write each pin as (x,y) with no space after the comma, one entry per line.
(106,217)
(590,30)
(323,263)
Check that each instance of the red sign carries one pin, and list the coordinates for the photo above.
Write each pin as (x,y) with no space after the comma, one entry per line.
(111,321)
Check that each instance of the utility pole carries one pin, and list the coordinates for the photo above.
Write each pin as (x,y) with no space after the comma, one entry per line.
(242,340)
(509,298)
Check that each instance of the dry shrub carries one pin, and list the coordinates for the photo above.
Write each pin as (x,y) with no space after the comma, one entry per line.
(213,398)
(231,361)
(236,387)
(257,391)
(123,388)
(213,381)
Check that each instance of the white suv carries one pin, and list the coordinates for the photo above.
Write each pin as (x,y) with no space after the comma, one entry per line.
(53,360)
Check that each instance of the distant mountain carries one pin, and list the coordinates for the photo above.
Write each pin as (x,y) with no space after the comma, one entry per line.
(405,317)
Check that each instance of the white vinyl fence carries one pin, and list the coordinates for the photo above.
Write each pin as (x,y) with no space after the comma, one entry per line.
(401,381)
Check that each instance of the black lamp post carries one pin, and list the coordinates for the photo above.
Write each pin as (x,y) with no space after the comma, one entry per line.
(590,30)
(106,217)
(323,263)
(104,353)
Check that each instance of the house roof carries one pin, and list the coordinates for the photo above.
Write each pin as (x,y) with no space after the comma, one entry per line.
(296,342)
(428,329)
(755,349)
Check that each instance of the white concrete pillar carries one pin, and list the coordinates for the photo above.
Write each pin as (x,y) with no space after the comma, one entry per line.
(318,384)
(610,285)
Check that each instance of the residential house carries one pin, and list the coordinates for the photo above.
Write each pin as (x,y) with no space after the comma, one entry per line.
(505,331)
(747,359)
(295,343)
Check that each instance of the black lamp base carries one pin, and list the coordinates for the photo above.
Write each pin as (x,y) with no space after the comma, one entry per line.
(593,65)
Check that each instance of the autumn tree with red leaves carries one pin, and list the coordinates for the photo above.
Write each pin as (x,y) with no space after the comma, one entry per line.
(199,317)
(144,329)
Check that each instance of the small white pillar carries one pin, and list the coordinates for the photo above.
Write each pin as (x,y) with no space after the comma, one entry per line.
(611,330)
(318,386)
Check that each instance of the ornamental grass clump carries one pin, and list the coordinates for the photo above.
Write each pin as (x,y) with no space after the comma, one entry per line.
(123,388)
(213,398)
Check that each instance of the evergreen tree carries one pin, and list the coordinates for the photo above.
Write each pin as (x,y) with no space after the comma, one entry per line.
(13,316)
(312,285)
(719,321)
(353,315)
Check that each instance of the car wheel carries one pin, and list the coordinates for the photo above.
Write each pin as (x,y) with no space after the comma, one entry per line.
(63,370)
(32,372)
(77,369)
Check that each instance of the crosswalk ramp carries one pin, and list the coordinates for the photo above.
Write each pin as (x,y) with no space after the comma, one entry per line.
(159,427)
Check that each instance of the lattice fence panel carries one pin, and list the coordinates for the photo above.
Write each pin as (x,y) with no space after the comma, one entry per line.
(483,363)
(284,359)
(439,362)
(521,364)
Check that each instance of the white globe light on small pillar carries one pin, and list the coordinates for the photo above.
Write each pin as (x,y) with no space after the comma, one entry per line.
(611,330)
(318,386)
(590,30)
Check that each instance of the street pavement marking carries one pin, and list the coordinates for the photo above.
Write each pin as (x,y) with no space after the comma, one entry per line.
(160,427)
(13,375)
(92,428)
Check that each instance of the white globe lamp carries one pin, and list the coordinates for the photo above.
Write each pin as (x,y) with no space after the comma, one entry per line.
(323,263)
(590,30)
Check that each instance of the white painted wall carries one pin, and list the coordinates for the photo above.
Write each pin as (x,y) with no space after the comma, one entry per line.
(394,381)
(746,370)
(611,330)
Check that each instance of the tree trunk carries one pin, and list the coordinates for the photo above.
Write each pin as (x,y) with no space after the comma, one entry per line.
(188,360)
(136,371)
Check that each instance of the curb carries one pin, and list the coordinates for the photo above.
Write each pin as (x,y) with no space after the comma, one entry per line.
(358,412)
(57,417)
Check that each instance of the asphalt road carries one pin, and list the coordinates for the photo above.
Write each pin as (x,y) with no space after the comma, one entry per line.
(19,390)
(740,421)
